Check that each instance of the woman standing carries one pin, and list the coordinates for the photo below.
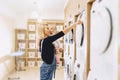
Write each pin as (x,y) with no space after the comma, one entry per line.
(48,50)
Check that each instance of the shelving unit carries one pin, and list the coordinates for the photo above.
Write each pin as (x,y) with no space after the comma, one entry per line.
(20,43)
(32,58)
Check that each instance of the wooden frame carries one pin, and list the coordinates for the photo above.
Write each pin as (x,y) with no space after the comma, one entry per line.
(31,62)
(88,8)
(19,42)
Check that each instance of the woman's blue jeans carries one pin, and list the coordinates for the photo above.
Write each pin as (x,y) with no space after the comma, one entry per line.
(47,70)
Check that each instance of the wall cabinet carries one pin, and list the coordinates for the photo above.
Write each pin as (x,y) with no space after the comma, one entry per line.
(20,44)
(26,40)
(32,50)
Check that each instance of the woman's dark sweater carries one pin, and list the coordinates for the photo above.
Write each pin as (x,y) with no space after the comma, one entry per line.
(48,49)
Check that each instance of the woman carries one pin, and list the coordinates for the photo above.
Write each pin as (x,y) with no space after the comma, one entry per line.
(47,49)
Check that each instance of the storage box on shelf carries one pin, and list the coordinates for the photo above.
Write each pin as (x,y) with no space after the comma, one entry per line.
(31,54)
(31,63)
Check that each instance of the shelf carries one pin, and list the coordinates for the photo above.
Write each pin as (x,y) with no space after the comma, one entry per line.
(21,57)
(31,44)
(35,49)
(22,50)
(21,40)
(30,57)
(31,31)
(34,41)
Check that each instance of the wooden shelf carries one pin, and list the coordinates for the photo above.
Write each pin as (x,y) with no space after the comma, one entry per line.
(27,36)
(32,30)
(20,42)
(22,57)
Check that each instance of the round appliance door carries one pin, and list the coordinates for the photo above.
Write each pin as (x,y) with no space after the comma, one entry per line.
(101,29)
(80,32)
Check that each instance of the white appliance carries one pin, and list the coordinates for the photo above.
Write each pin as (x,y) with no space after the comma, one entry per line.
(101,48)
(80,49)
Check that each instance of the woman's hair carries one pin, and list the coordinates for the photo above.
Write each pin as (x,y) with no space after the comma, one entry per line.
(41,35)
(44,26)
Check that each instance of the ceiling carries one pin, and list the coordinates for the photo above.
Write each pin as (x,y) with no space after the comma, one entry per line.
(46,9)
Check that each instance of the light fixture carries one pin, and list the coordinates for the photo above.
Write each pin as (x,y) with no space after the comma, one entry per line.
(35,14)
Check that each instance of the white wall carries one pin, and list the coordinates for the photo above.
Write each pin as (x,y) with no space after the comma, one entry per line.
(21,21)
(6,35)
(6,39)
(7,24)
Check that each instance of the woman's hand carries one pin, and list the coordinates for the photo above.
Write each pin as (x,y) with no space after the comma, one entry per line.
(66,30)
(79,22)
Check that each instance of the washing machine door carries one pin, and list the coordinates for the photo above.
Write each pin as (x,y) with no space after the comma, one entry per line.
(80,33)
(80,49)
(100,41)
(101,29)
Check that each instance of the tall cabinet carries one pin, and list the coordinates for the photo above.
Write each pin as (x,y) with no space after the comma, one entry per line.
(20,46)
(33,58)
(26,42)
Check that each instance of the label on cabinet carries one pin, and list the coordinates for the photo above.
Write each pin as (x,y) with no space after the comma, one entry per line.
(21,36)
(22,45)
(31,27)
(32,45)
(31,54)
(31,36)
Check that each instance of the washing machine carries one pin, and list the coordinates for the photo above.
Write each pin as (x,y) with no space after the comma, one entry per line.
(80,49)
(65,59)
(101,36)
(69,53)
(69,62)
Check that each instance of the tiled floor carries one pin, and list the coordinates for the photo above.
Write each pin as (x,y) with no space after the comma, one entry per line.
(34,75)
